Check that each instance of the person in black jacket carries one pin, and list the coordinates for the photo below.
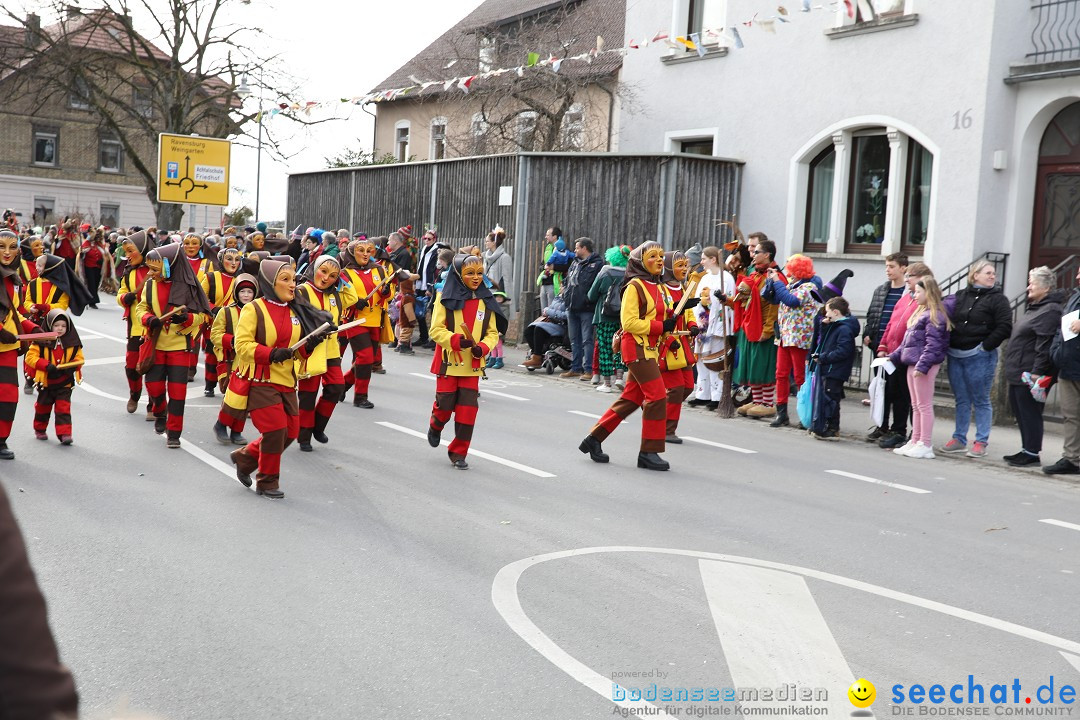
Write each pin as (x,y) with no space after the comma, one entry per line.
(831,361)
(1028,351)
(982,320)
(1066,357)
(579,280)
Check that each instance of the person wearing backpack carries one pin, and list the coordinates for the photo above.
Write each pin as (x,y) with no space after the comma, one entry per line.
(606,292)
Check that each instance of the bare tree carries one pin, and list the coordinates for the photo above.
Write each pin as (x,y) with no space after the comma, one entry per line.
(561,99)
(177,72)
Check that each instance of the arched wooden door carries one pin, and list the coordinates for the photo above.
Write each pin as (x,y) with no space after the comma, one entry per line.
(1056,230)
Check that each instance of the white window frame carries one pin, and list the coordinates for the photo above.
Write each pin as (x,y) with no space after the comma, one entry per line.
(674,138)
(119,155)
(573,132)
(77,101)
(435,122)
(842,19)
(101,212)
(714,18)
(41,133)
(402,152)
(841,134)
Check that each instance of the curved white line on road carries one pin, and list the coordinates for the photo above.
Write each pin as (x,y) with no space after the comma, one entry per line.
(504,596)
(95,333)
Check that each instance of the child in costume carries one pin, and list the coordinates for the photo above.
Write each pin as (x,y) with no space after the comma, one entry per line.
(135,248)
(217,284)
(677,357)
(465,323)
(233,413)
(56,366)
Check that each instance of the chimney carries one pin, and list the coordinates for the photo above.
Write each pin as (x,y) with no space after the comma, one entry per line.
(73,11)
(33,30)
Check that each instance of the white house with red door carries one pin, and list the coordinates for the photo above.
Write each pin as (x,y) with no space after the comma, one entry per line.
(941,129)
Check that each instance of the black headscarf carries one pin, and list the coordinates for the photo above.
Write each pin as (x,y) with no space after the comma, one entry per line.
(251,262)
(310,317)
(635,268)
(455,292)
(8,271)
(241,281)
(24,248)
(60,274)
(69,338)
(186,289)
(670,258)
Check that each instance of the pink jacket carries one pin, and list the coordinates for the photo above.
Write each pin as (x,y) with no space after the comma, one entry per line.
(894,331)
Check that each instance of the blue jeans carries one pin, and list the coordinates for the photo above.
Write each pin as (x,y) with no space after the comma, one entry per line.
(971,379)
(581,340)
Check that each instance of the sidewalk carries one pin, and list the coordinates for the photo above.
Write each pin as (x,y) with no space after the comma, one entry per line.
(855,423)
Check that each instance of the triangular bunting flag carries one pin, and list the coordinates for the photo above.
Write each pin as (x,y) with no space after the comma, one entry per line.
(738,38)
(532,59)
(695,40)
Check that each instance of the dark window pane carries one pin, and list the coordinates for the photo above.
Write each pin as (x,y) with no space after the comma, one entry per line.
(921,168)
(819,198)
(869,189)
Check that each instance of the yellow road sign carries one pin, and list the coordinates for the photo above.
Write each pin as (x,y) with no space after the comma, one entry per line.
(193,169)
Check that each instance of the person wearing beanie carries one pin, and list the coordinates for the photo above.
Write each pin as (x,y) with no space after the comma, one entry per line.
(261,227)
(757,347)
(797,309)
(606,292)
(693,254)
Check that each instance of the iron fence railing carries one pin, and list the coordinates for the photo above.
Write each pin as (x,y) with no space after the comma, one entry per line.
(1056,34)
(1064,273)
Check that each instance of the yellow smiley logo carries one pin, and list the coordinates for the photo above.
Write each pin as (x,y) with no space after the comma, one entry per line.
(862,693)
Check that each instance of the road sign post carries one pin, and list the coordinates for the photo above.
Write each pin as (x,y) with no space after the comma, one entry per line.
(193,170)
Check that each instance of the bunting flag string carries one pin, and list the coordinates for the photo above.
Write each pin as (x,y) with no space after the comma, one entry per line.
(698,42)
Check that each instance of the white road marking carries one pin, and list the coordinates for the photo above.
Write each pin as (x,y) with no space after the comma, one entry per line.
(773,632)
(197,452)
(473,451)
(864,478)
(1061,523)
(483,390)
(504,596)
(104,361)
(101,393)
(583,414)
(1073,660)
(733,448)
(95,333)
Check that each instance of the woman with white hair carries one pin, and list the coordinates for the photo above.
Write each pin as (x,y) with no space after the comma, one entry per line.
(1027,360)
(982,320)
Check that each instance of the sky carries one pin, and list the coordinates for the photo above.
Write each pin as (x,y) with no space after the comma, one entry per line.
(337,48)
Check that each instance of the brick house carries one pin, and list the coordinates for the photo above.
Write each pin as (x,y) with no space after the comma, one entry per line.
(57,154)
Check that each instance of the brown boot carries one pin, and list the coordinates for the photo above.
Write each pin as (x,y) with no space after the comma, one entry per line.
(133,402)
(534,361)
(245,465)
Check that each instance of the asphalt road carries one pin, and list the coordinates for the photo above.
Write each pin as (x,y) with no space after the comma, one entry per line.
(389,585)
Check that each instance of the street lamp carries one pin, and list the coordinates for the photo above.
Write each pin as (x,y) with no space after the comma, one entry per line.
(244,91)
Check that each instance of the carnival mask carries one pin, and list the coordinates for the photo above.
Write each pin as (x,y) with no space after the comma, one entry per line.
(134,257)
(256,241)
(326,275)
(39,263)
(37,247)
(472,273)
(156,268)
(231,241)
(285,284)
(9,249)
(192,246)
(231,262)
(362,253)
(680,268)
(653,260)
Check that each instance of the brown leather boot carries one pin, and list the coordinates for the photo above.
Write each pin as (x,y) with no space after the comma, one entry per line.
(133,402)
(534,361)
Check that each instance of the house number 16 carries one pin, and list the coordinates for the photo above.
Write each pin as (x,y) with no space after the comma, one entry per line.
(962,121)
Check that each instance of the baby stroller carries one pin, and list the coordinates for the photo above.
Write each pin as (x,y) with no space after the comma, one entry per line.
(549,331)
(558,355)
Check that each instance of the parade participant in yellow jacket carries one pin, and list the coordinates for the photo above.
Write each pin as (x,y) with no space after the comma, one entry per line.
(466,320)
(367,278)
(55,365)
(171,284)
(326,290)
(218,287)
(135,248)
(646,318)
(12,323)
(31,248)
(269,327)
(56,285)
(677,357)
(234,389)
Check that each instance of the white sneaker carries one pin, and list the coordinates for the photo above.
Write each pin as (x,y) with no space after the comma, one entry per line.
(596,380)
(921,451)
(604,388)
(620,384)
(903,449)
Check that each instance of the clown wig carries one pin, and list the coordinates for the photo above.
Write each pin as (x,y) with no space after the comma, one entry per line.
(617,256)
(799,267)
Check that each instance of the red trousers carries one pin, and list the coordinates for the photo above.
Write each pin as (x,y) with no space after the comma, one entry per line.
(644,389)
(9,390)
(131,357)
(169,373)
(365,347)
(279,428)
(315,411)
(679,384)
(60,397)
(459,396)
(789,360)
(210,359)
